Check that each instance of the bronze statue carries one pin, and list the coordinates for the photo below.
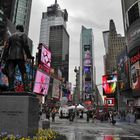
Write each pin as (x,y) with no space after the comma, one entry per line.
(17,51)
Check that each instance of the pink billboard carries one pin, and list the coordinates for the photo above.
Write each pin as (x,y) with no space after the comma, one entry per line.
(42,81)
(45,57)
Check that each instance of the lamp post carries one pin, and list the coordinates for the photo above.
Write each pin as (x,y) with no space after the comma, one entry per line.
(77,85)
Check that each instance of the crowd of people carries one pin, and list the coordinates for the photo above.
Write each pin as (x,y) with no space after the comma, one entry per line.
(92,115)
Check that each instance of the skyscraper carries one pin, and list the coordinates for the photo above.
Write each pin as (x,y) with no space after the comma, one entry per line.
(15,12)
(21,13)
(114,45)
(131,20)
(53,17)
(87,64)
(53,33)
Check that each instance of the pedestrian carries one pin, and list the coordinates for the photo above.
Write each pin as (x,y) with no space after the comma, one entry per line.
(47,112)
(17,49)
(88,115)
(53,112)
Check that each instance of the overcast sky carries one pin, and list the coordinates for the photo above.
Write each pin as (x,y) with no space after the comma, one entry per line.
(94,14)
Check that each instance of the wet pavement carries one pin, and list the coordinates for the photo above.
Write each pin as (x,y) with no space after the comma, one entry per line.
(82,130)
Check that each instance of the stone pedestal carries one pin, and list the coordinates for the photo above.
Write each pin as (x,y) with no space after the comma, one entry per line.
(19,113)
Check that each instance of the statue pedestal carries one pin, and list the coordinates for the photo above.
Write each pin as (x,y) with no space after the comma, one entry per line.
(19,113)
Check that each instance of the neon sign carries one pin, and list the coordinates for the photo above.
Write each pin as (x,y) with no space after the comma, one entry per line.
(109,84)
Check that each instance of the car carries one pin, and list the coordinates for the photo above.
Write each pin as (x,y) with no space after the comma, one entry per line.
(63,112)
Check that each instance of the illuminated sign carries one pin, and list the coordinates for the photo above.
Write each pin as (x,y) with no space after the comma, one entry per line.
(109,84)
(42,81)
(109,101)
(45,57)
(135,58)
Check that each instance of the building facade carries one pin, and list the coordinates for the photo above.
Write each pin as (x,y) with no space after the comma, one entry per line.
(113,46)
(87,65)
(59,47)
(53,34)
(14,12)
(131,20)
(53,17)
(21,13)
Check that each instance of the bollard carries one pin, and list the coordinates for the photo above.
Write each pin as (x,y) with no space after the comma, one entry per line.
(45,124)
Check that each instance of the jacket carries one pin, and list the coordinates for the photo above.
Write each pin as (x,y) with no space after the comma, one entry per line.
(18,46)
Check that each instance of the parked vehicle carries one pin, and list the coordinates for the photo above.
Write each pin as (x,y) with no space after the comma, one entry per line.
(63,112)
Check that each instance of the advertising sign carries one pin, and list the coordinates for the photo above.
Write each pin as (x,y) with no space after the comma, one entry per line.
(109,84)
(88,87)
(135,72)
(45,57)
(56,89)
(3,79)
(109,101)
(123,70)
(42,81)
(87,58)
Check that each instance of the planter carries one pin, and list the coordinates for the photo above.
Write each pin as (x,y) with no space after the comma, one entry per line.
(60,137)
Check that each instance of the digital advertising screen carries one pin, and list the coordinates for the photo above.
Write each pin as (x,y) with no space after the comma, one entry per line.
(88,87)
(41,84)
(109,101)
(18,79)
(109,84)
(123,71)
(45,57)
(135,72)
(87,58)
(3,79)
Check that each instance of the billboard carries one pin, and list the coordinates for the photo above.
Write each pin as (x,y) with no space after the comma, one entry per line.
(41,84)
(18,79)
(45,56)
(3,80)
(123,70)
(88,87)
(87,58)
(135,72)
(56,89)
(109,101)
(109,84)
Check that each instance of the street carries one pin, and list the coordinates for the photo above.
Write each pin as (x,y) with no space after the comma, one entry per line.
(79,129)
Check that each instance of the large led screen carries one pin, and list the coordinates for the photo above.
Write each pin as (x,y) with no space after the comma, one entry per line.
(45,57)
(87,58)
(109,84)
(135,73)
(123,71)
(3,79)
(109,101)
(18,79)
(41,84)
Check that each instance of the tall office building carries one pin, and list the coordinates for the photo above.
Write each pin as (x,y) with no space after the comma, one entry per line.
(131,20)
(53,17)
(21,13)
(53,33)
(15,12)
(114,43)
(87,64)
(59,47)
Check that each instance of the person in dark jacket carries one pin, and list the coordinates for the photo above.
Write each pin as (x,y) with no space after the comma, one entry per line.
(17,50)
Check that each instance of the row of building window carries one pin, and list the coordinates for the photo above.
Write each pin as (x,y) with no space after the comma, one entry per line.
(132,14)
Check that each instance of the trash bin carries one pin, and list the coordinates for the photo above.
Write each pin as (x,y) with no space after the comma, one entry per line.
(45,124)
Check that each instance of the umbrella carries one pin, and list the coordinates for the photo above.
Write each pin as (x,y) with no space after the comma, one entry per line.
(71,107)
(80,107)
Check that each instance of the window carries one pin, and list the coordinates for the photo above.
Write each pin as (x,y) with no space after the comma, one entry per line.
(133,13)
